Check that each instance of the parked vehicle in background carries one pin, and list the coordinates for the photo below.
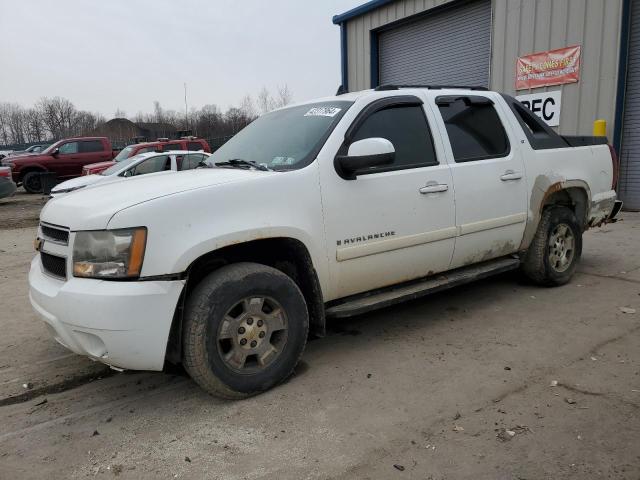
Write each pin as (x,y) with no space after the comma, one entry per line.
(162,145)
(141,164)
(327,208)
(31,149)
(4,153)
(7,187)
(64,158)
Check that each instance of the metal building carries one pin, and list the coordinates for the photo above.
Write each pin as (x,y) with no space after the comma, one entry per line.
(478,42)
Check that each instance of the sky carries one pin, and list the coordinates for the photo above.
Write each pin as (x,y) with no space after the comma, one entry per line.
(124,54)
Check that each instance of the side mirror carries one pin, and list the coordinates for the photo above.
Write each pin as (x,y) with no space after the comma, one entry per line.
(363,154)
(56,152)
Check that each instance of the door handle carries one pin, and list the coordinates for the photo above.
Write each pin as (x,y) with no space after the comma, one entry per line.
(510,175)
(434,188)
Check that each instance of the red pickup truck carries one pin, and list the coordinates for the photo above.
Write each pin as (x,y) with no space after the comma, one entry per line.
(162,144)
(64,158)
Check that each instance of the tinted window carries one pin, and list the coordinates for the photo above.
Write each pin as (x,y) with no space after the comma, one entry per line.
(474,128)
(406,128)
(194,146)
(171,146)
(152,165)
(71,147)
(148,149)
(91,146)
(191,161)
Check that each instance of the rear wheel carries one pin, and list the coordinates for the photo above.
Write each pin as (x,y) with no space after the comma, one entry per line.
(32,182)
(554,253)
(246,327)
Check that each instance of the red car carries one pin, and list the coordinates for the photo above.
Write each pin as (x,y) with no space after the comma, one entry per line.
(64,158)
(162,144)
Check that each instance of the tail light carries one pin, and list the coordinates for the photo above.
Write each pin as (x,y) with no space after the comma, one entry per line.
(5,172)
(616,167)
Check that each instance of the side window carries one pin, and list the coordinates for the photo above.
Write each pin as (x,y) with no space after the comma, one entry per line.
(71,147)
(91,146)
(191,161)
(195,146)
(151,165)
(407,129)
(474,128)
(171,146)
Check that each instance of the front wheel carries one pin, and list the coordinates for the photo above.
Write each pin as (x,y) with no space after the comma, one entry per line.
(554,253)
(246,327)
(32,182)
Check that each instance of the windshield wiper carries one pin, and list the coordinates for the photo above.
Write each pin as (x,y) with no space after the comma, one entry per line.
(240,163)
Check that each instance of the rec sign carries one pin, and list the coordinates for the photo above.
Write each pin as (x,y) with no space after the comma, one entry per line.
(546,105)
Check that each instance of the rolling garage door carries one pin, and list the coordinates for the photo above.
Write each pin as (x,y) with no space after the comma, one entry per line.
(449,47)
(629,187)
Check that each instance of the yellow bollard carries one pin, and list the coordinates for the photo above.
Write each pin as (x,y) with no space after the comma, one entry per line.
(600,128)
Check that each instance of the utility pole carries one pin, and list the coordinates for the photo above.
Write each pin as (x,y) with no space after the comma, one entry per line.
(186,117)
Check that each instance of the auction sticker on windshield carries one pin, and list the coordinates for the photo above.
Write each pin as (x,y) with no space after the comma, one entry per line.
(323,112)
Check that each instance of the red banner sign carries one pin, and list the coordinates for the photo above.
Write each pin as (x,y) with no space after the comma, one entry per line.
(554,67)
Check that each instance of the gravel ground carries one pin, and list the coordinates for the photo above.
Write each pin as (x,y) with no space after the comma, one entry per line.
(497,380)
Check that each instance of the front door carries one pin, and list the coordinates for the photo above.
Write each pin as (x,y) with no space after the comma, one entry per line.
(488,176)
(393,223)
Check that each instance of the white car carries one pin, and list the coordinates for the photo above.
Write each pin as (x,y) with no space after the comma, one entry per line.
(327,208)
(141,164)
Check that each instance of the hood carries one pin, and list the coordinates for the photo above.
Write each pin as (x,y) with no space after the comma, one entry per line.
(30,157)
(77,182)
(100,165)
(92,208)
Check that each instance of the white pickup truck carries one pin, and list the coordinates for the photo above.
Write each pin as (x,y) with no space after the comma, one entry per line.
(326,208)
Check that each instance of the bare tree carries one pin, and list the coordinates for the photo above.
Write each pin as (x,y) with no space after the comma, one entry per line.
(119,113)
(284,97)
(265,101)
(248,107)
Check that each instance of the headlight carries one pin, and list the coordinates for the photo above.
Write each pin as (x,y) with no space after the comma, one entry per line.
(109,253)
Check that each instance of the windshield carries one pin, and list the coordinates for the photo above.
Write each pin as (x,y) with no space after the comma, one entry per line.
(124,154)
(285,139)
(120,165)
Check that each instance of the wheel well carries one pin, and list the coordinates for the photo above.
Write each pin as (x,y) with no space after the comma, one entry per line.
(574,198)
(288,255)
(30,169)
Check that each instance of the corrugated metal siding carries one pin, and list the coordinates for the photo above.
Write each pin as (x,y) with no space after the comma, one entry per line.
(450,47)
(358,36)
(630,152)
(521,27)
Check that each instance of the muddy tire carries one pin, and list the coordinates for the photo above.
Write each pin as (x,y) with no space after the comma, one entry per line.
(245,329)
(554,253)
(32,182)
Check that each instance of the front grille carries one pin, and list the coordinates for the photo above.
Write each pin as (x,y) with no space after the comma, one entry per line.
(54,265)
(55,234)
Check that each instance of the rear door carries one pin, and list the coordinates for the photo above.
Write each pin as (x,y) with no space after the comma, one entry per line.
(488,177)
(92,151)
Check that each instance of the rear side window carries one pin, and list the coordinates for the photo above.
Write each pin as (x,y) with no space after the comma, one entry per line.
(406,127)
(91,146)
(152,148)
(474,128)
(194,146)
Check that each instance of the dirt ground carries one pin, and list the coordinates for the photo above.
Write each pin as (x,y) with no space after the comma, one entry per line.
(494,380)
